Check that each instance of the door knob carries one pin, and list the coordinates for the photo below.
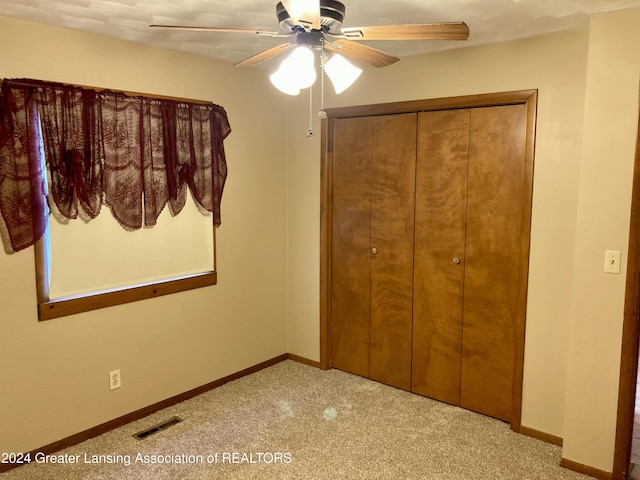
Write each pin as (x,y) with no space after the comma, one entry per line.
(456,260)
(374,250)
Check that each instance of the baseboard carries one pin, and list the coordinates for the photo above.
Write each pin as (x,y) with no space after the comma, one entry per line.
(544,436)
(156,407)
(586,469)
(306,361)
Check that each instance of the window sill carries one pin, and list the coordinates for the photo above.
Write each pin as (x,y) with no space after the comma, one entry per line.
(61,307)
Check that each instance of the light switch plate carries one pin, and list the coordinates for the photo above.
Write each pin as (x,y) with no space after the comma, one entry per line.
(612,261)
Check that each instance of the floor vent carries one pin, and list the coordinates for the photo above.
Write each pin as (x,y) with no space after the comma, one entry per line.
(157,428)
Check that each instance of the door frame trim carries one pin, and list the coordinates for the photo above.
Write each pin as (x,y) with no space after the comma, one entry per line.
(527,97)
(630,334)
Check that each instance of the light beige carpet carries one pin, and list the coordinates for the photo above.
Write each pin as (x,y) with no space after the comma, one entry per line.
(292,421)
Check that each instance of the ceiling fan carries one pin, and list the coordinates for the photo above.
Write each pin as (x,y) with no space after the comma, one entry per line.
(319,22)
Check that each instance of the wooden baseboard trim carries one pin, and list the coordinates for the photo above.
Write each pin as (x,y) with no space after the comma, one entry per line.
(306,361)
(586,469)
(544,436)
(156,407)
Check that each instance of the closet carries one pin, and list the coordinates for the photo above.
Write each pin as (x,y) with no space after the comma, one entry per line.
(426,213)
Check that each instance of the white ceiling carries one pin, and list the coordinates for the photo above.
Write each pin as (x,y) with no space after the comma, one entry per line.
(488,20)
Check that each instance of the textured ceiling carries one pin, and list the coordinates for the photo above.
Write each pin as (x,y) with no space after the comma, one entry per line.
(488,20)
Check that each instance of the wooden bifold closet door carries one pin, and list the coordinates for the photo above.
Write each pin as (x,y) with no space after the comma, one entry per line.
(373,202)
(469,189)
(440,233)
(428,250)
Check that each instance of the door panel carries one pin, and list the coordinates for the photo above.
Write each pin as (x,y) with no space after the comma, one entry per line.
(351,180)
(441,183)
(494,222)
(392,224)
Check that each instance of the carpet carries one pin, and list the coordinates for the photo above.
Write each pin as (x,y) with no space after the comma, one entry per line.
(292,421)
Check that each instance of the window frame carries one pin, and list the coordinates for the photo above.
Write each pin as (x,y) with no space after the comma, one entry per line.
(49,309)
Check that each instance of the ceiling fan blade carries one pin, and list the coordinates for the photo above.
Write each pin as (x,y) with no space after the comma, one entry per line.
(427,31)
(364,53)
(265,55)
(304,11)
(216,29)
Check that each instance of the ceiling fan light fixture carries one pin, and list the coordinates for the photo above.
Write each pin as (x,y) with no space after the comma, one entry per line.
(296,72)
(341,72)
(301,63)
(283,82)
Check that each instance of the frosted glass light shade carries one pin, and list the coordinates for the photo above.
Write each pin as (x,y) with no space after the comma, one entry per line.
(341,73)
(302,62)
(296,72)
(284,82)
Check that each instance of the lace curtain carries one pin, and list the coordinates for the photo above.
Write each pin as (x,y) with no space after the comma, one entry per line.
(132,153)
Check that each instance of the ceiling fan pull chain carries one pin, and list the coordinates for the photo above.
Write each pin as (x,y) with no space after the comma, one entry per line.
(310,134)
(322,113)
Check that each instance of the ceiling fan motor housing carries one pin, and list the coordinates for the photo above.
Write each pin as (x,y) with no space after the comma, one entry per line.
(331,13)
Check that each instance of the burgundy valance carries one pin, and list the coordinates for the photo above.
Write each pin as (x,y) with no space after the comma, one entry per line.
(134,153)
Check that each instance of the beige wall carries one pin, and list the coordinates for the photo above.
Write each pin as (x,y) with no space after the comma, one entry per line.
(54,375)
(580,208)
(606,171)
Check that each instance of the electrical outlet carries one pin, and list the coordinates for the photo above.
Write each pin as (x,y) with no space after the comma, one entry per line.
(114,380)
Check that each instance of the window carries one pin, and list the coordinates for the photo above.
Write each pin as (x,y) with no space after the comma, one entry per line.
(131,285)
(143,158)
(131,266)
